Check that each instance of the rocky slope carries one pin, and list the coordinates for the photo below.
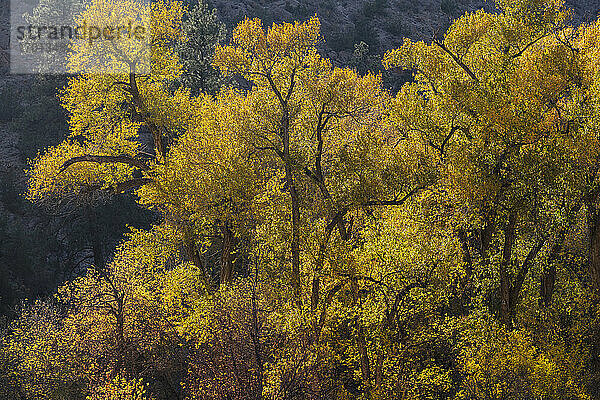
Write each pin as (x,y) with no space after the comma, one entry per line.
(382,24)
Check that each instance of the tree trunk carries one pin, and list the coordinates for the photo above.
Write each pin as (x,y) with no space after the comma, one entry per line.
(120,327)
(314,298)
(594,246)
(295,245)
(316,283)
(255,333)
(548,278)
(515,288)
(194,257)
(361,344)
(138,102)
(295,204)
(365,368)
(505,287)
(226,254)
(379,371)
(94,238)
(460,301)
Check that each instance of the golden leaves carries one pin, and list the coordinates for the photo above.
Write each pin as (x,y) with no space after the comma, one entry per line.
(255,53)
(107,111)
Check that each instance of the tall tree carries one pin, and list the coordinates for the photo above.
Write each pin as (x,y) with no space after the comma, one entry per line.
(203,32)
(497,102)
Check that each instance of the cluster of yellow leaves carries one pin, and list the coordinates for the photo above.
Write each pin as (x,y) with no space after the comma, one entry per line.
(107,110)
(120,388)
(506,364)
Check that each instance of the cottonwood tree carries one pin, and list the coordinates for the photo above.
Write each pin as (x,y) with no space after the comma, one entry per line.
(122,119)
(499,102)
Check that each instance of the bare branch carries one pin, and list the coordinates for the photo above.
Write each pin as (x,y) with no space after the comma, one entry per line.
(455,58)
(395,202)
(524,49)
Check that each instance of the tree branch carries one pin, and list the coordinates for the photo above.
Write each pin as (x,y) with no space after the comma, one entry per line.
(132,184)
(121,159)
(524,49)
(397,202)
(516,288)
(330,293)
(139,103)
(455,58)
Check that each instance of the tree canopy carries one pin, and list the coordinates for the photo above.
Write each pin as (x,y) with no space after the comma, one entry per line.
(322,237)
